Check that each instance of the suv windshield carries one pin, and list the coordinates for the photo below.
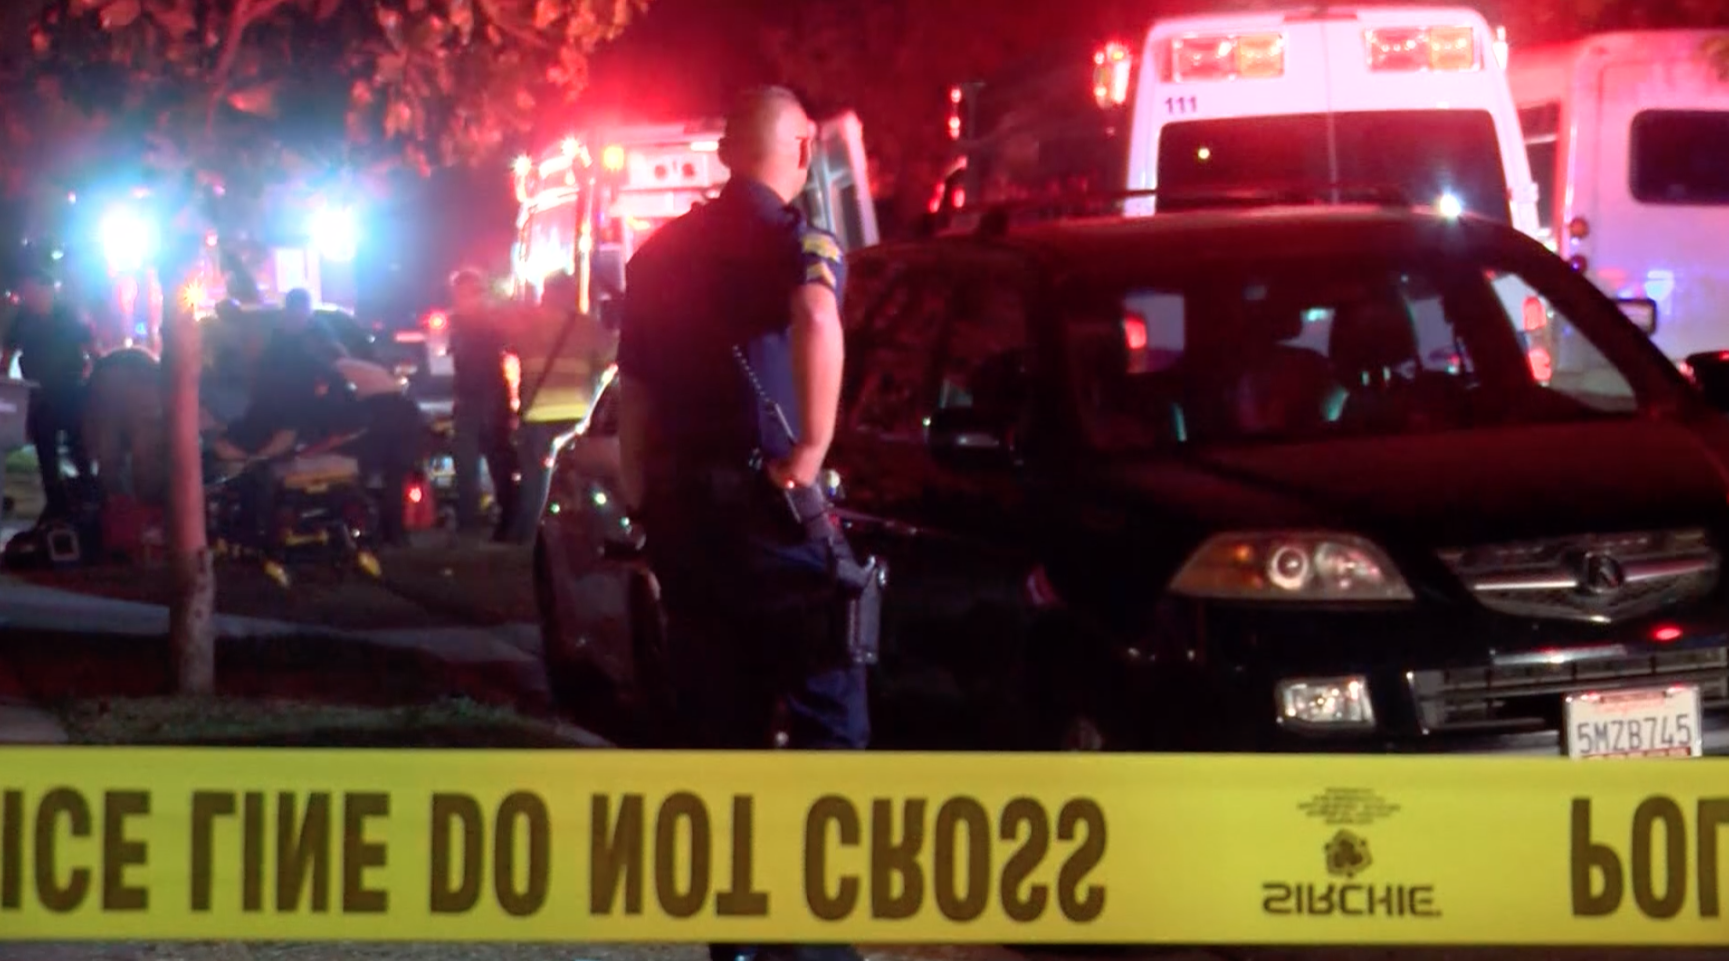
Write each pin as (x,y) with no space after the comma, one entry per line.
(1309,349)
(1428,153)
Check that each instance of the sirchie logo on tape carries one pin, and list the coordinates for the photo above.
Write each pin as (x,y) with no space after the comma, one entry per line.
(1346,856)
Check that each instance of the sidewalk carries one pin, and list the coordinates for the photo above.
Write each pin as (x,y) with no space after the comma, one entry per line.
(25,606)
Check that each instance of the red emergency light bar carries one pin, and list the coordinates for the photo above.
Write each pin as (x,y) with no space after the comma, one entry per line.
(1112,67)
(1409,49)
(1253,56)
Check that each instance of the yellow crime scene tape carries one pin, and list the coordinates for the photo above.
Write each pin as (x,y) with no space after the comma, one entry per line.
(618,846)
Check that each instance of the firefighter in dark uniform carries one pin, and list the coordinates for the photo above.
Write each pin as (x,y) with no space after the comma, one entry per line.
(747,594)
(481,411)
(55,350)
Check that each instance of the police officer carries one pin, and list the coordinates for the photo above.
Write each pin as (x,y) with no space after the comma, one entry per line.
(747,595)
(481,405)
(54,349)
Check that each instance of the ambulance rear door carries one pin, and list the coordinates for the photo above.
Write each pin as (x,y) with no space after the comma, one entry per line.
(837,197)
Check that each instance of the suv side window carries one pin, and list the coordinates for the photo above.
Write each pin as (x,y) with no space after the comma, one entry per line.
(984,350)
(892,316)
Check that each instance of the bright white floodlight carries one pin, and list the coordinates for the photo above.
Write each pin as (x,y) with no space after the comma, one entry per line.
(128,240)
(1450,206)
(335,234)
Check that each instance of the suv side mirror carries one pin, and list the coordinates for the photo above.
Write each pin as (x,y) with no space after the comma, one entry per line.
(1642,311)
(1710,372)
(967,438)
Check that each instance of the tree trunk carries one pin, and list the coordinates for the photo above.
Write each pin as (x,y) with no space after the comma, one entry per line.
(192,608)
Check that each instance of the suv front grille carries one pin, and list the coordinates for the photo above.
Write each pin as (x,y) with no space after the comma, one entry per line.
(1596,578)
(1526,693)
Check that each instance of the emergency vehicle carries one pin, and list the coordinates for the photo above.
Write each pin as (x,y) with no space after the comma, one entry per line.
(1410,98)
(587,204)
(611,190)
(607,191)
(1628,134)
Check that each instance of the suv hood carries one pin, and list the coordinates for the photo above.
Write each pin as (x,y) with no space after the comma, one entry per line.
(1454,489)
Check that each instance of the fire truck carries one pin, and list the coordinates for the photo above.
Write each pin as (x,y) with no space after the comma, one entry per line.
(608,191)
(587,204)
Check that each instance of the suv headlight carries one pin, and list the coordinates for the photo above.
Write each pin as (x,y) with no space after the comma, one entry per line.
(1297,567)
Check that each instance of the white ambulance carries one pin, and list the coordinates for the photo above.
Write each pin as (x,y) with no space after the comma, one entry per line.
(1628,134)
(1414,98)
(1407,98)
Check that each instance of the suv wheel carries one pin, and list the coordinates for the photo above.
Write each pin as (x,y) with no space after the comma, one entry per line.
(1082,733)
(649,673)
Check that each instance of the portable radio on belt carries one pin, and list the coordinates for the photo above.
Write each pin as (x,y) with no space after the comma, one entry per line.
(861,583)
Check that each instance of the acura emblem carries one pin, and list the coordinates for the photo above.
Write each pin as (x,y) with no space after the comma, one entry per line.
(1602,574)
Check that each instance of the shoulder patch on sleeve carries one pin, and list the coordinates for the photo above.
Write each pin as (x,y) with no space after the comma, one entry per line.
(819,272)
(819,244)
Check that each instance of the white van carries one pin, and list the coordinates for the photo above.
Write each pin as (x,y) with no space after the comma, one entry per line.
(1411,97)
(1628,134)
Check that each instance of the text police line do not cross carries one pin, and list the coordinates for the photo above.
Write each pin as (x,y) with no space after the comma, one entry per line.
(1660,866)
(323,854)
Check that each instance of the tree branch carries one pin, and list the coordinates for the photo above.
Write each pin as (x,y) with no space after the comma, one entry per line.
(246,13)
(515,32)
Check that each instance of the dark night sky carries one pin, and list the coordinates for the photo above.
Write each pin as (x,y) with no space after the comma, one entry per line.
(682,58)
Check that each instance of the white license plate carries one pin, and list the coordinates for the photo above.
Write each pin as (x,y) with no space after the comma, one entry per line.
(1654,722)
(440,365)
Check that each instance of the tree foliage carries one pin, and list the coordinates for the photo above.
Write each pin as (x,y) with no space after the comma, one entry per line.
(894,60)
(222,87)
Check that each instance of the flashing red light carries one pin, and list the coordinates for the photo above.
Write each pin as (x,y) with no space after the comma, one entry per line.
(437,320)
(960,197)
(513,379)
(1134,332)
(1542,366)
(1112,65)
(1536,316)
(1666,634)
(416,494)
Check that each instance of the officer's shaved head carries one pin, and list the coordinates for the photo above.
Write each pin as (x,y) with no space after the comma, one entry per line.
(768,138)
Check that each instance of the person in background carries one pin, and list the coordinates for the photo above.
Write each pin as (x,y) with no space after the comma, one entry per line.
(298,321)
(481,410)
(55,350)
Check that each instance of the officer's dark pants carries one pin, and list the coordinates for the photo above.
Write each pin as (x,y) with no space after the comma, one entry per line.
(395,441)
(483,432)
(57,414)
(750,646)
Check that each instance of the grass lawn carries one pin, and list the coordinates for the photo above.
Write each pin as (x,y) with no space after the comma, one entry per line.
(56,669)
(246,722)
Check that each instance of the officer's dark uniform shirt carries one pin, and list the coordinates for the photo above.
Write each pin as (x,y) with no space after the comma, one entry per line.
(51,349)
(477,345)
(294,389)
(720,276)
